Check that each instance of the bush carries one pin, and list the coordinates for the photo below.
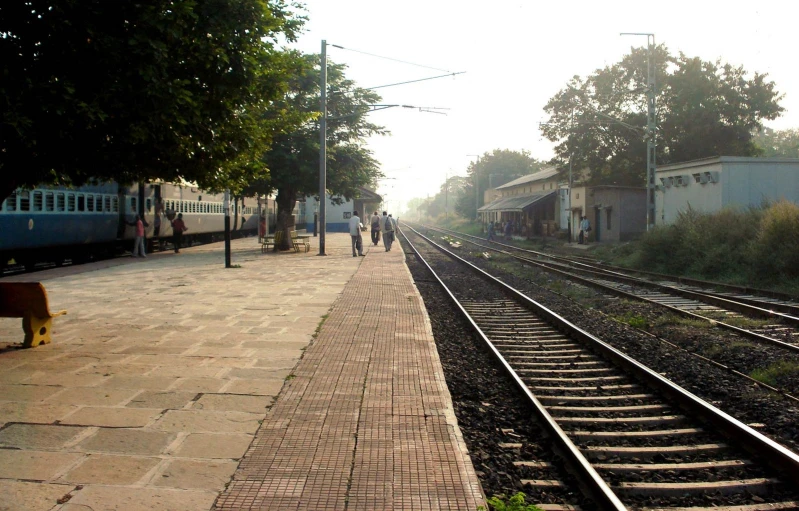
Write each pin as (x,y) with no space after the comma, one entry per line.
(777,248)
(739,245)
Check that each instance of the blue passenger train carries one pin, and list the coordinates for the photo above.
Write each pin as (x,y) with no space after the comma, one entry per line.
(54,224)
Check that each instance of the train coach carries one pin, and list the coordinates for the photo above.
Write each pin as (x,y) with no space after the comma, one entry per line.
(56,224)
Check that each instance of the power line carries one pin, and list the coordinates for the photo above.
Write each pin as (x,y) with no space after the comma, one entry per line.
(414,81)
(387,58)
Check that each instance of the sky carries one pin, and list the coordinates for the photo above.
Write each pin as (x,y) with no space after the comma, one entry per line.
(516,55)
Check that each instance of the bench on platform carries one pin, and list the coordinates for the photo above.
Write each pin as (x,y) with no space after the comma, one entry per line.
(300,241)
(28,300)
(272,241)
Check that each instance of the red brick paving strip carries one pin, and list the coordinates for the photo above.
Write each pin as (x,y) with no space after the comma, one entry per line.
(367,423)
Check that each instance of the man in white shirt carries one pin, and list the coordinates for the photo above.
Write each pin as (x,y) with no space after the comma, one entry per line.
(355,234)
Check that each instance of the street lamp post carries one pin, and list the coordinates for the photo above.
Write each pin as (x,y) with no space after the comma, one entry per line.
(651,128)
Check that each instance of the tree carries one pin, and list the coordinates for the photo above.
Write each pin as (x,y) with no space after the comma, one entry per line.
(704,109)
(293,159)
(775,143)
(132,91)
(504,165)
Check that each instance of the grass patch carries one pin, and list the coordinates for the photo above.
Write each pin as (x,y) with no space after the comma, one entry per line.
(771,374)
(515,503)
(634,320)
(675,320)
(747,322)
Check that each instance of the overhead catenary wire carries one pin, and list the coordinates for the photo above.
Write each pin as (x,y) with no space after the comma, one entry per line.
(388,58)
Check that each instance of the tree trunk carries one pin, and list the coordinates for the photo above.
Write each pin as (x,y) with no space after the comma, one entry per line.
(286,200)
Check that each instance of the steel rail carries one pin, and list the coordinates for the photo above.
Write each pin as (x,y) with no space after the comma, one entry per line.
(585,472)
(788,309)
(624,294)
(756,443)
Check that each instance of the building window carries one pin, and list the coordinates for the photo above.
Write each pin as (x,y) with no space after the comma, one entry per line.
(608,215)
(347,214)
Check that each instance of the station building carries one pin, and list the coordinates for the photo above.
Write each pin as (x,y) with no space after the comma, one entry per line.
(529,200)
(543,205)
(711,184)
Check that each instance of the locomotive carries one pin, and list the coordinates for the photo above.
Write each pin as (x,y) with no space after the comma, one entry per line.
(55,224)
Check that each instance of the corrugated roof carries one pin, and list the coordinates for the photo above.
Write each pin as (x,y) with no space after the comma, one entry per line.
(541,175)
(516,203)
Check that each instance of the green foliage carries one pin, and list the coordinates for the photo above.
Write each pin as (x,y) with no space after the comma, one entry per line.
(169,89)
(515,503)
(772,374)
(759,244)
(703,108)
(777,247)
(771,143)
(634,320)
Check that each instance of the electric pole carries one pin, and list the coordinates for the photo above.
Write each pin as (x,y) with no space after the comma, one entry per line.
(323,149)
(651,127)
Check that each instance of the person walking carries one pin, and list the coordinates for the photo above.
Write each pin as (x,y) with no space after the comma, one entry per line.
(375,221)
(490,231)
(585,227)
(138,242)
(178,228)
(355,234)
(387,227)
(508,230)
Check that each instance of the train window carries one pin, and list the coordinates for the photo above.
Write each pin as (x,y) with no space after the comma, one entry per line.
(81,202)
(71,202)
(37,201)
(90,203)
(149,205)
(114,204)
(24,201)
(11,202)
(107,204)
(59,201)
(49,201)
(134,204)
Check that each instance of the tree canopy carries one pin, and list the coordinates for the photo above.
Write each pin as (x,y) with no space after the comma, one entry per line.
(169,89)
(504,165)
(293,159)
(704,109)
(773,143)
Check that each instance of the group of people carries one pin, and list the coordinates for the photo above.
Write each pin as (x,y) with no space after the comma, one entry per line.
(384,225)
(178,228)
(505,228)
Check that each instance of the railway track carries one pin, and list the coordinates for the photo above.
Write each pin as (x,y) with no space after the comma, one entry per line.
(773,320)
(635,439)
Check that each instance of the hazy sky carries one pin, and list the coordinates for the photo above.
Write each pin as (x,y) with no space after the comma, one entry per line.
(518,54)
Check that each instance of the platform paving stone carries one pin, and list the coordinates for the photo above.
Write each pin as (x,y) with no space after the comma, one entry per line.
(366,422)
(109,469)
(144,368)
(17,496)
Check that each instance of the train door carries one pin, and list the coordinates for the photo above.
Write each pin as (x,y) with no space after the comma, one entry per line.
(121,211)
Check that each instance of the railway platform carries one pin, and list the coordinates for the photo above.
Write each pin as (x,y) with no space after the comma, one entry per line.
(291,382)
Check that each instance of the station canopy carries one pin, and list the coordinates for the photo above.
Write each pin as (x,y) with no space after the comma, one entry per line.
(516,203)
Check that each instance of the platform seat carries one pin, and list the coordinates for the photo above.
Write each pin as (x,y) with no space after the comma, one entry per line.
(28,300)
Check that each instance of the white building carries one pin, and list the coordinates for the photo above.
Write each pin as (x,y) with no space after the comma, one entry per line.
(710,184)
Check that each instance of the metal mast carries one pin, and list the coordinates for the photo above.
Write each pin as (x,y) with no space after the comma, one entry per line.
(651,134)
